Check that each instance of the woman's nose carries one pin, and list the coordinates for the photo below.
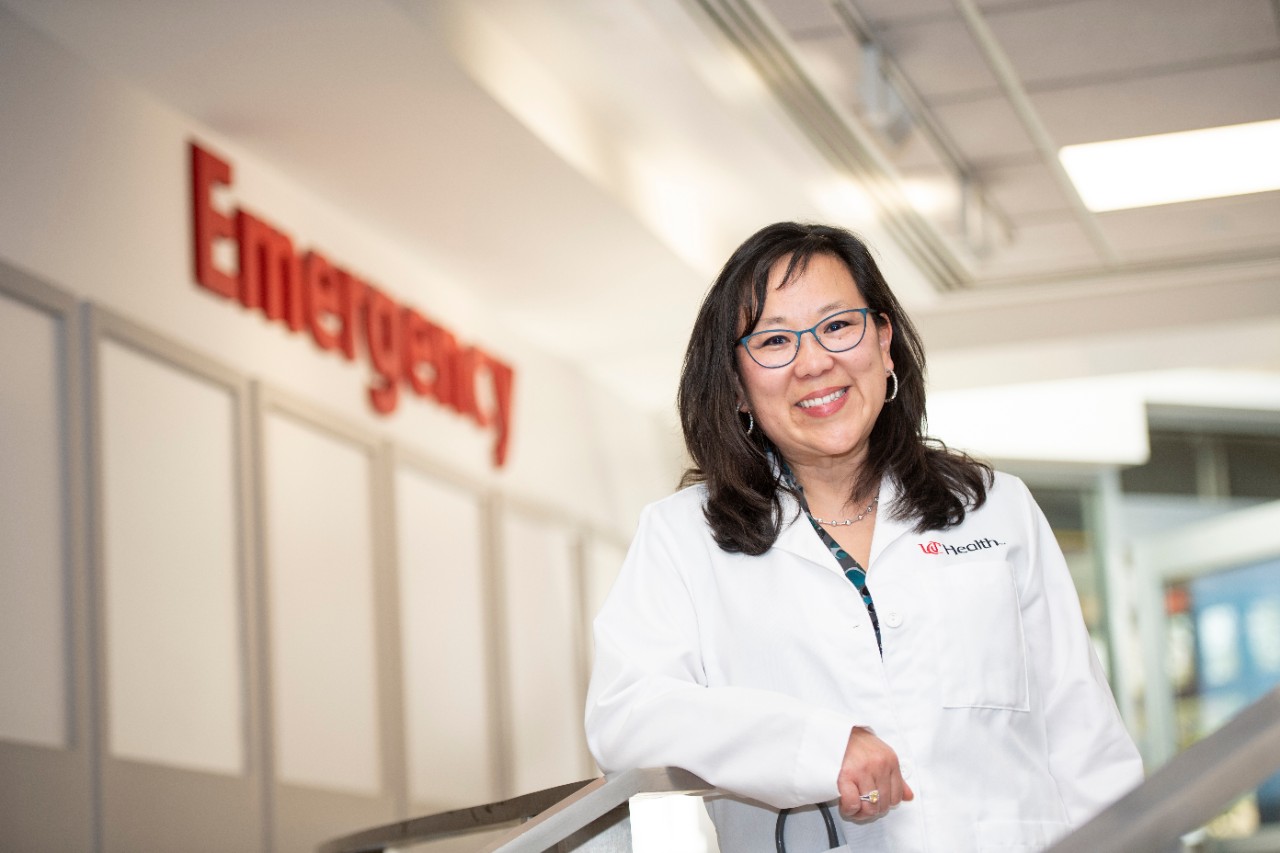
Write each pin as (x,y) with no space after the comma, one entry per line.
(812,357)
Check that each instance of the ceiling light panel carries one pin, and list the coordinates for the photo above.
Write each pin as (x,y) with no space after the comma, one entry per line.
(1174,167)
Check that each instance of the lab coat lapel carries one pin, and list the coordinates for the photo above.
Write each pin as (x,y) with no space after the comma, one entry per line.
(797,536)
(888,529)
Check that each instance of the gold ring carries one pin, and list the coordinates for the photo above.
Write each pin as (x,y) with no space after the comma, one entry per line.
(872,796)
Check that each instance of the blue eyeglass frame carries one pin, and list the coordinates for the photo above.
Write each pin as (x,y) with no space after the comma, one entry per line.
(813,330)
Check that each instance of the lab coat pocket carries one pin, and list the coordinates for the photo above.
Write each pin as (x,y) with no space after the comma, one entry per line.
(1018,836)
(981,653)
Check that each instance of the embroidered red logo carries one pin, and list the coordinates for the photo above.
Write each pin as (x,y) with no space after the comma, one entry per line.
(976,545)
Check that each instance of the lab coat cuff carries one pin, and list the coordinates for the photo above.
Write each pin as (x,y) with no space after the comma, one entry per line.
(819,757)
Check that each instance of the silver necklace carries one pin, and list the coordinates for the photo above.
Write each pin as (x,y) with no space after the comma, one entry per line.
(845,522)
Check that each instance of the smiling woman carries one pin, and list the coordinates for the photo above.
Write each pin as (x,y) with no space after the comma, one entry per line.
(802,274)
(792,628)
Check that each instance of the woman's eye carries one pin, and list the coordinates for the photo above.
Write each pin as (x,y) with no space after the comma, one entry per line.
(836,325)
(773,341)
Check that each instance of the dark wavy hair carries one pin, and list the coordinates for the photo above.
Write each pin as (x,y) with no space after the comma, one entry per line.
(937,485)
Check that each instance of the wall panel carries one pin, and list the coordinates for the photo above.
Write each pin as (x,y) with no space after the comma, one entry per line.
(177,714)
(45,736)
(332,674)
(544,688)
(33,555)
(170,567)
(445,628)
(320,578)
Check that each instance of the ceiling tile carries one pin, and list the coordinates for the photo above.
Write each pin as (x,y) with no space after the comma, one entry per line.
(1022,189)
(1210,226)
(888,12)
(1171,102)
(939,58)
(1049,245)
(986,131)
(1094,38)
(800,16)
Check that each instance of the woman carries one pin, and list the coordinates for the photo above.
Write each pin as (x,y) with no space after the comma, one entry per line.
(838,609)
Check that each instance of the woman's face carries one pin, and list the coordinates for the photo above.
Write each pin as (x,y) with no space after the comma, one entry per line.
(850,385)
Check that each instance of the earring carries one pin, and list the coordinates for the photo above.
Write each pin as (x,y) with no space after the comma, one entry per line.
(894,395)
(751,423)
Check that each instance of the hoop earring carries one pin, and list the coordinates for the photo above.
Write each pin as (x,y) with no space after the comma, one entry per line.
(894,395)
(751,423)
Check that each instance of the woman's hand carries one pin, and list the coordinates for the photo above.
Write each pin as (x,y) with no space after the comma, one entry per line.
(869,772)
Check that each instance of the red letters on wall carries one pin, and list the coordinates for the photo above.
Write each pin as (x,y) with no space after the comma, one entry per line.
(405,349)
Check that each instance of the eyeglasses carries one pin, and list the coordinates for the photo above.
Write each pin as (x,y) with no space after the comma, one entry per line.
(838,332)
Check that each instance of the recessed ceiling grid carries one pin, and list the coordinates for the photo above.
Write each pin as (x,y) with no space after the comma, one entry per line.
(999,86)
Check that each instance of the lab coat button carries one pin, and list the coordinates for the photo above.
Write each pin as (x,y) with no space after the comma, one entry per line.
(893,619)
(905,767)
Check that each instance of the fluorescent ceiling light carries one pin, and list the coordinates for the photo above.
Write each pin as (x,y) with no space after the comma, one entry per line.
(1172,167)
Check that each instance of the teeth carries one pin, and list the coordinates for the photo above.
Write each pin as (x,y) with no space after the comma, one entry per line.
(822,401)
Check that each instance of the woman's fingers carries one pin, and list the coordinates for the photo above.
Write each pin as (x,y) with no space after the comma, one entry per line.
(870,781)
(850,804)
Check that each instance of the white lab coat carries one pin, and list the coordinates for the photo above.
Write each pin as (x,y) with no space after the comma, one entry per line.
(750,672)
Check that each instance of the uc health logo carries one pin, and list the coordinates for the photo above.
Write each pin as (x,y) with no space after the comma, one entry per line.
(936,547)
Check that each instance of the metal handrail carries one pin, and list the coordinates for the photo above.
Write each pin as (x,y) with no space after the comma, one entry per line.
(549,816)
(448,824)
(595,801)
(1182,796)
(1189,791)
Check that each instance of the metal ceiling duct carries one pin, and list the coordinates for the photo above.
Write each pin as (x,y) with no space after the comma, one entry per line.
(836,135)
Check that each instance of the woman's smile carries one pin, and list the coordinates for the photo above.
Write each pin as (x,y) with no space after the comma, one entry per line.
(822,403)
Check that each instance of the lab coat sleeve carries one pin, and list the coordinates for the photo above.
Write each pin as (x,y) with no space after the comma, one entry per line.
(1091,755)
(649,704)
